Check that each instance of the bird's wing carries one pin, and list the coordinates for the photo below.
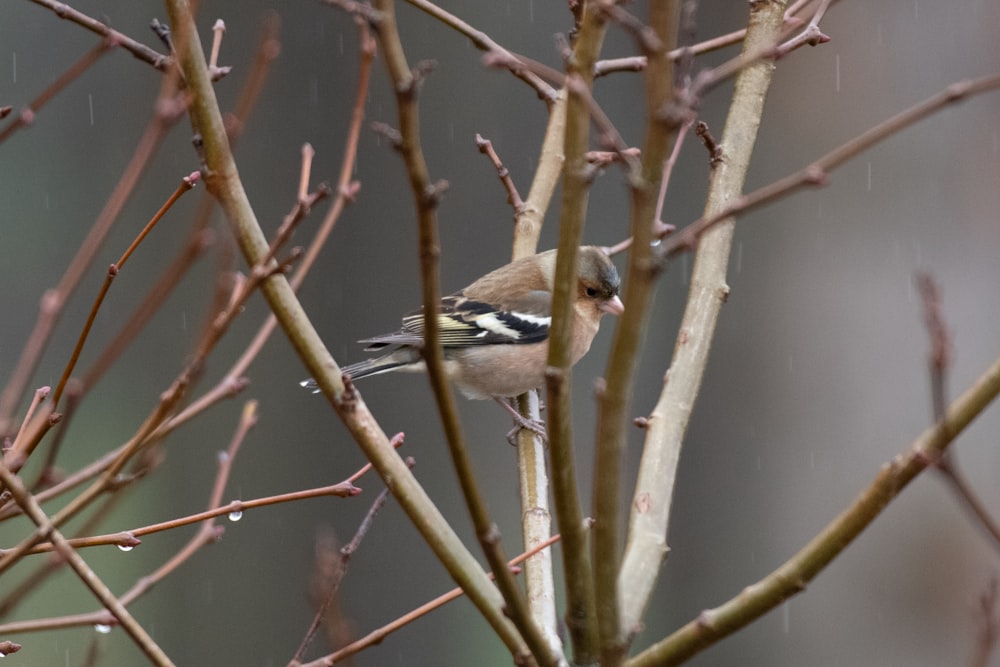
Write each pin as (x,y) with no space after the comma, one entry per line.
(464,322)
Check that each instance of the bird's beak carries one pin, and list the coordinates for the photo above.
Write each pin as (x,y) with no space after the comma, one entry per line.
(613,305)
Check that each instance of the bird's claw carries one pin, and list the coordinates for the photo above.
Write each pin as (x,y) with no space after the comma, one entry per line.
(536,426)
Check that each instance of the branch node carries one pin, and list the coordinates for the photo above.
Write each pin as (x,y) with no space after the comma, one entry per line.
(388,133)
(348,399)
(714,150)
(162,31)
(418,74)
(434,192)
(815,175)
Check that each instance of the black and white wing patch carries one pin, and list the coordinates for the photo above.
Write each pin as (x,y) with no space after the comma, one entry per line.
(466,323)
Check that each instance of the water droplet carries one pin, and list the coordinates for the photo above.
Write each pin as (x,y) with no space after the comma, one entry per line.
(223,456)
(236,515)
(102,628)
(125,547)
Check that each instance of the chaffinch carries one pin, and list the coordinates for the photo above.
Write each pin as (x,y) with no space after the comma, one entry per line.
(494,333)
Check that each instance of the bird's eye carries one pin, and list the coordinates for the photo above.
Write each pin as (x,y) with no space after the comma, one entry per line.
(591,292)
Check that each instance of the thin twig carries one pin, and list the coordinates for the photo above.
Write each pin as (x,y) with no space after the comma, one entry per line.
(41,394)
(185,185)
(149,306)
(301,209)
(137,49)
(811,35)
(218,30)
(483,42)
(503,173)
(129,537)
(638,63)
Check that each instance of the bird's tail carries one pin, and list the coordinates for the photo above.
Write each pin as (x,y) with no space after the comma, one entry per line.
(399,358)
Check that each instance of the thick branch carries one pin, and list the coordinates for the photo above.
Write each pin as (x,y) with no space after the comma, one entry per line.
(222,180)
(426,194)
(650,514)
(614,400)
(581,611)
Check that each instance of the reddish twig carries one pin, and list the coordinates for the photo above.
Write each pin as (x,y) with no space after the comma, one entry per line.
(485,43)
(149,306)
(638,63)
(40,395)
(662,229)
(485,147)
(186,184)
(811,35)
(303,205)
(137,49)
(218,31)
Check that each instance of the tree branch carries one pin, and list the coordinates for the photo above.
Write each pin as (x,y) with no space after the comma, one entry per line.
(795,573)
(650,509)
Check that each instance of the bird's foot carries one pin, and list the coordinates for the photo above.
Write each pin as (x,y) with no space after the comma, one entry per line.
(536,426)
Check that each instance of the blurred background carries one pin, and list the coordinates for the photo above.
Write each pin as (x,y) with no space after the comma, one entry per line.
(818,375)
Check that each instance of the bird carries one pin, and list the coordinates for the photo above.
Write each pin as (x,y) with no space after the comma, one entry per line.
(494,333)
